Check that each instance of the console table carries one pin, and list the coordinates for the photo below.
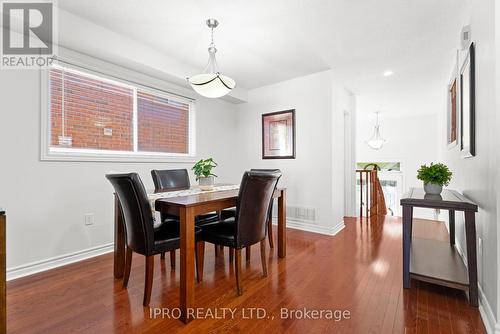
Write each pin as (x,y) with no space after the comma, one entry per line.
(435,261)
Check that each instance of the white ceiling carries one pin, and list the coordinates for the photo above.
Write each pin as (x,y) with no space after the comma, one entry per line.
(261,42)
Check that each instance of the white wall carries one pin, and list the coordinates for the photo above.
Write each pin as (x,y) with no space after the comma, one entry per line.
(342,106)
(497,119)
(315,178)
(477,177)
(46,201)
(350,148)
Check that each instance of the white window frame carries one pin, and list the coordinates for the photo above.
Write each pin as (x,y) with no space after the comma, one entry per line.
(49,153)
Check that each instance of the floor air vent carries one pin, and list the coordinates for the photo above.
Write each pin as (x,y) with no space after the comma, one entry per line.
(297,213)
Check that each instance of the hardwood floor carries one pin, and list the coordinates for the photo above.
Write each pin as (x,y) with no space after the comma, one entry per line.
(358,270)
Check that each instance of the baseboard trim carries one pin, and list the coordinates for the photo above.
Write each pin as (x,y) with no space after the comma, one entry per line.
(308,227)
(492,327)
(487,315)
(58,261)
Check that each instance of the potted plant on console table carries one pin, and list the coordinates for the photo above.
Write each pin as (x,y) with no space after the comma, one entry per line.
(203,171)
(434,177)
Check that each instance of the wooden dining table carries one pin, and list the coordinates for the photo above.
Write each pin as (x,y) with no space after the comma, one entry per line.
(187,208)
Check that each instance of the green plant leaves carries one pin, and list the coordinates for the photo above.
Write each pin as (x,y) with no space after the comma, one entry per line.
(435,173)
(203,168)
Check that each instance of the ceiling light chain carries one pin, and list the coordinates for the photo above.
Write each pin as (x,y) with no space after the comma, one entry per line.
(212,37)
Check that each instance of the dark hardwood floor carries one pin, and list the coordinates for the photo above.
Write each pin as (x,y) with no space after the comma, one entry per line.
(358,270)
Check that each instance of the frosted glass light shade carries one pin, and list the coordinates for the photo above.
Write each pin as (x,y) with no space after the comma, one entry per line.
(211,85)
(376,141)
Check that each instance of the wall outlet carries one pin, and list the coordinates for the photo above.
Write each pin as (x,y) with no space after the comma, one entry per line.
(89,219)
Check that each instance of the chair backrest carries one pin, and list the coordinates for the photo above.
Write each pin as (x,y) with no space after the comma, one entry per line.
(136,211)
(268,171)
(170,179)
(265,170)
(252,209)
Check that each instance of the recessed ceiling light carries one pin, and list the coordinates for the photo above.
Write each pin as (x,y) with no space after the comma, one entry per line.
(388,73)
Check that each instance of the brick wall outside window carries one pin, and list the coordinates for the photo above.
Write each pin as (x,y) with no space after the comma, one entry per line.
(163,126)
(98,115)
(90,106)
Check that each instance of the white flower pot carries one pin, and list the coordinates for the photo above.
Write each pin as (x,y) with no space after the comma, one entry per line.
(433,189)
(206,183)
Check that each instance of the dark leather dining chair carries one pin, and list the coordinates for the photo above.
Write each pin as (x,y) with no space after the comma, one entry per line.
(171,179)
(249,226)
(140,234)
(228,213)
(176,179)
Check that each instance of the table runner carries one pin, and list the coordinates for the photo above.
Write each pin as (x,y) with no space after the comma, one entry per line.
(186,192)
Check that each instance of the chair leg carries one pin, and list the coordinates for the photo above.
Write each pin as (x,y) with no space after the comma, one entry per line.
(172,259)
(162,256)
(263,257)
(216,247)
(231,255)
(128,264)
(270,232)
(247,253)
(200,257)
(237,267)
(148,281)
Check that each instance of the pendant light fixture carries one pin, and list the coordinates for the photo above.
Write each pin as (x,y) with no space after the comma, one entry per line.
(376,141)
(211,83)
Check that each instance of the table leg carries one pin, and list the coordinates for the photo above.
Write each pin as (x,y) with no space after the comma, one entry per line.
(119,254)
(187,264)
(3,277)
(470,236)
(282,224)
(407,227)
(451,223)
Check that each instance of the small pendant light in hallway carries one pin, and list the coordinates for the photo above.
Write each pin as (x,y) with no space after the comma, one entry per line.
(376,141)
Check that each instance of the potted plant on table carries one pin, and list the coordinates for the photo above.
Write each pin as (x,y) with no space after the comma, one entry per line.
(203,172)
(434,177)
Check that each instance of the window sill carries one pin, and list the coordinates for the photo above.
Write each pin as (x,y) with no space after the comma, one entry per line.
(129,158)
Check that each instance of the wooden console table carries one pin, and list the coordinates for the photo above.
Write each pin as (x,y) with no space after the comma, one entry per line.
(437,261)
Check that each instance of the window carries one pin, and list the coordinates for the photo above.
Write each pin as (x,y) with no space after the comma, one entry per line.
(94,116)
(386,166)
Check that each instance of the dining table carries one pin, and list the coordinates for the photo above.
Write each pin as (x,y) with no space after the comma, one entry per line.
(187,207)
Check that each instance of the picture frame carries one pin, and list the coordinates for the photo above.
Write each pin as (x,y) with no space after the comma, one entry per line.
(452,115)
(278,135)
(467,105)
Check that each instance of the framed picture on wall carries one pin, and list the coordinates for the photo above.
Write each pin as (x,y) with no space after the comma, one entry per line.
(278,135)
(467,105)
(452,114)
